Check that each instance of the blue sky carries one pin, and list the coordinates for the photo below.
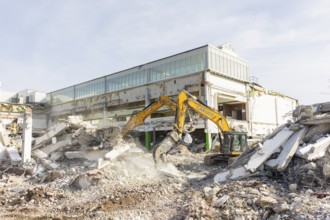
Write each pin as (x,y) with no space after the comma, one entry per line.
(47,45)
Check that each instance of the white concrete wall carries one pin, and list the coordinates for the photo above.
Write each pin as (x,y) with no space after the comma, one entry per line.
(39,97)
(5,96)
(266,112)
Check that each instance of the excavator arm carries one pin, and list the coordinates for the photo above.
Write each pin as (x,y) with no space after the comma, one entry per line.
(139,117)
(185,99)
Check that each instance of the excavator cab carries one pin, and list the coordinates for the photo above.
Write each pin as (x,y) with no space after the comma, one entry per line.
(234,143)
(230,146)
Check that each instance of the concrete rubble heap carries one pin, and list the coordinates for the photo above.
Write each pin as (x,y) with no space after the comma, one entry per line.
(71,139)
(299,148)
(75,139)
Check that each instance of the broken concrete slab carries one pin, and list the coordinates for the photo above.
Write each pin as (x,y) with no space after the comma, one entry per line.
(289,149)
(76,121)
(52,166)
(268,148)
(196,176)
(51,132)
(39,154)
(314,151)
(58,145)
(14,157)
(56,155)
(117,151)
(92,155)
(49,165)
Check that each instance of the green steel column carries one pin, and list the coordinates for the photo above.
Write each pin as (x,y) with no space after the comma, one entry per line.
(148,140)
(207,141)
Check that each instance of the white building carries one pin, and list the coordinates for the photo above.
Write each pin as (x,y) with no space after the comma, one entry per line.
(216,75)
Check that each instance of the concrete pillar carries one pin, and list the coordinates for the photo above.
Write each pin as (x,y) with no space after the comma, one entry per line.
(105,113)
(147,121)
(208,101)
(27,136)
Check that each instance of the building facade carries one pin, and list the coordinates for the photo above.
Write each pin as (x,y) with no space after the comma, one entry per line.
(215,75)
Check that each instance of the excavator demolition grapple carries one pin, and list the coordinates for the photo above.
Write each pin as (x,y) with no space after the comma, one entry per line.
(231,143)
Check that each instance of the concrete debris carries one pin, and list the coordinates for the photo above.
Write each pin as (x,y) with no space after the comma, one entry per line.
(266,202)
(308,138)
(58,146)
(82,181)
(51,132)
(56,155)
(316,150)
(220,202)
(39,154)
(289,149)
(117,151)
(326,170)
(170,170)
(14,157)
(85,180)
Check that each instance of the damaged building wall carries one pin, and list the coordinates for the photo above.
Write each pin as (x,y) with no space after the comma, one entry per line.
(215,75)
(245,112)
(267,110)
(120,105)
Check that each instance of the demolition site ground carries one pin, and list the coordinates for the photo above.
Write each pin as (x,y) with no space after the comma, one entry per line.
(131,188)
(80,172)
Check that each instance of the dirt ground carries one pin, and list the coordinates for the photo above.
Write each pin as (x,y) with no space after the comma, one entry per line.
(131,188)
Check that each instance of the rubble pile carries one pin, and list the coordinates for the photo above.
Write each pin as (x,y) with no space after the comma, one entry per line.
(299,151)
(258,198)
(81,172)
(76,139)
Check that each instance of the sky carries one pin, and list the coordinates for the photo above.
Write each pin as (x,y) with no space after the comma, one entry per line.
(51,44)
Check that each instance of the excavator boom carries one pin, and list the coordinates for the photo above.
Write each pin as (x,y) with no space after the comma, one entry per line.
(139,117)
(184,101)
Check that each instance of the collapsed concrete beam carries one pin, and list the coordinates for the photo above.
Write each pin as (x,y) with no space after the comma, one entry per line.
(51,132)
(314,151)
(316,130)
(268,148)
(321,107)
(92,155)
(3,155)
(289,149)
(58,145)
(14,157)
(316,121)
(4,139)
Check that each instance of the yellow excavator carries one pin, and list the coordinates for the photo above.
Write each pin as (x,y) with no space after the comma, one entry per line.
(139,117)
(232,143)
